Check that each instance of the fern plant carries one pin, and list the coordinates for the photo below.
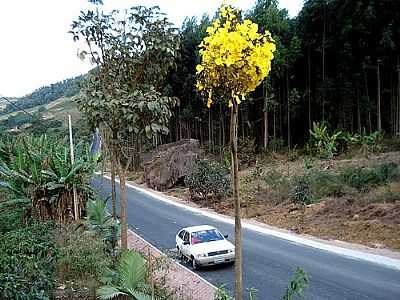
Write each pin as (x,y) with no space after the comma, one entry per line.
(130,280)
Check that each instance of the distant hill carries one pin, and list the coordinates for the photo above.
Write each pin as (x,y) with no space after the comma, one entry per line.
(45,95)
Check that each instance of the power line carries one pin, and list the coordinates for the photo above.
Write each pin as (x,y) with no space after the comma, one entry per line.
(23,110)
(16,106)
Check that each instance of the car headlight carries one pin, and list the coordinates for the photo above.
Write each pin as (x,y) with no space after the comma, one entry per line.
(231,250)
(202,255)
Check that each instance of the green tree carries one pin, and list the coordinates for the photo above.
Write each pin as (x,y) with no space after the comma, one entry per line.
(133,51)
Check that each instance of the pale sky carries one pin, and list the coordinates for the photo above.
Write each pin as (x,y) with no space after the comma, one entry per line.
(36,49)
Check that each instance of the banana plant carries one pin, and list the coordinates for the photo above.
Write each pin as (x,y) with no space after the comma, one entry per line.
(40,170)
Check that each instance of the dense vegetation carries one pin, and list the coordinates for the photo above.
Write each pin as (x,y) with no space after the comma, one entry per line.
(44,253)
(325,69)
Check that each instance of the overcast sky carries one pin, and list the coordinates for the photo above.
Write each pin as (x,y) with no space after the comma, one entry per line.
(36,49)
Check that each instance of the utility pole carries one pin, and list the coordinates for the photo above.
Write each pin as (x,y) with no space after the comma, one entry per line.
(71,145)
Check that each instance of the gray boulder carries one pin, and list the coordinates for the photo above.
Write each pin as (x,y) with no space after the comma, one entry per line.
(170,163)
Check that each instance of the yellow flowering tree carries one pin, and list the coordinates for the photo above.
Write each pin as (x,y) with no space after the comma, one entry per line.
(235,59)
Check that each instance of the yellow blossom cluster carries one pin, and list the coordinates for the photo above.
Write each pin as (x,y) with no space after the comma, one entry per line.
(235,57)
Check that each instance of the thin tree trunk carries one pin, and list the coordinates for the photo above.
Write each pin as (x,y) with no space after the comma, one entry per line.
(288,109)
(309,92)
(275,123)
(124,204)
(238,226)
(323,64)
(398,97)
(379,124)
(265,118)
(369,101)
(358,113)
(209,131)
(113,161)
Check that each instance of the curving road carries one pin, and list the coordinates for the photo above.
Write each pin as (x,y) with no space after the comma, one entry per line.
(269,262)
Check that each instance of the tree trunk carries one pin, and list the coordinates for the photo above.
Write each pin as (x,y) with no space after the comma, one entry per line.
(398,98)
(113,161)
(124,202)
(309,92)
(266,136)
(210,133)
(369,102)
(288,109)
(379,124)
(323,64)
(235,177)
(358,113)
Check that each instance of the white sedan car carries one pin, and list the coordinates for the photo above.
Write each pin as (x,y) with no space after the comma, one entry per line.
(204,245)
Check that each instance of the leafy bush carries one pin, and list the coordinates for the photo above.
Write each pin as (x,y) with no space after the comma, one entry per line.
(82,254)
(297,285)
(11,219)
(129,279)
(280,184)
(100,221)
(27,263)
(276,144)
(301,192)
(368,142)
(387,172)
(324,143)
(325,184)
(207,178)
(362,178)
(359,178)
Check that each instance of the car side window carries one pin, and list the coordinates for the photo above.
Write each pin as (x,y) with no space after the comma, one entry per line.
(181,234)
(186,237)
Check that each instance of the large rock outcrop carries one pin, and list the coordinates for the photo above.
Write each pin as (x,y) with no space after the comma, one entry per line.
(170,162)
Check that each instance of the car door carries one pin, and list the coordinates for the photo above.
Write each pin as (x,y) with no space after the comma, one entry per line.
(185,248)
(179,239)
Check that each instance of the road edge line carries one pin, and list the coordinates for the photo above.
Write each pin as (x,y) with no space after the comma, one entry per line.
(349,253)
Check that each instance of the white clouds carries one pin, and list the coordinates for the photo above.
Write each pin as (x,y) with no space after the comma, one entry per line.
(37,50)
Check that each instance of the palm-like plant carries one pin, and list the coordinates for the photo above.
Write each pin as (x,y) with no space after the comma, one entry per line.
(38,173)
(100,220)
(130,279)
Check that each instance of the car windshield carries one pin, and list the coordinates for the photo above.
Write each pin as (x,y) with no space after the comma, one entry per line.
(205,236)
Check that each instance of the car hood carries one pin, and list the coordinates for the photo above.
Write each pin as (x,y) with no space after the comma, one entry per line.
(212,246)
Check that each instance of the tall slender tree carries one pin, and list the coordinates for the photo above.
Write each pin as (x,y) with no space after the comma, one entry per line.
(235,59)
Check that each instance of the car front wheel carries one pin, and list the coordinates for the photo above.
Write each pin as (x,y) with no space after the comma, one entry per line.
(195,266)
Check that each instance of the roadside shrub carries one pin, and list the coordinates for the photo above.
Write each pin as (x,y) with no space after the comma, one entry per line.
(359,178)
(387,172)
(11,219)
(325,184)
(363,178)
(208,178)
(27,263)
(301,193)
(82,254)
(278,183)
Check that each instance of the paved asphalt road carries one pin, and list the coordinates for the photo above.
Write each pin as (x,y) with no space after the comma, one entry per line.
(269,262)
